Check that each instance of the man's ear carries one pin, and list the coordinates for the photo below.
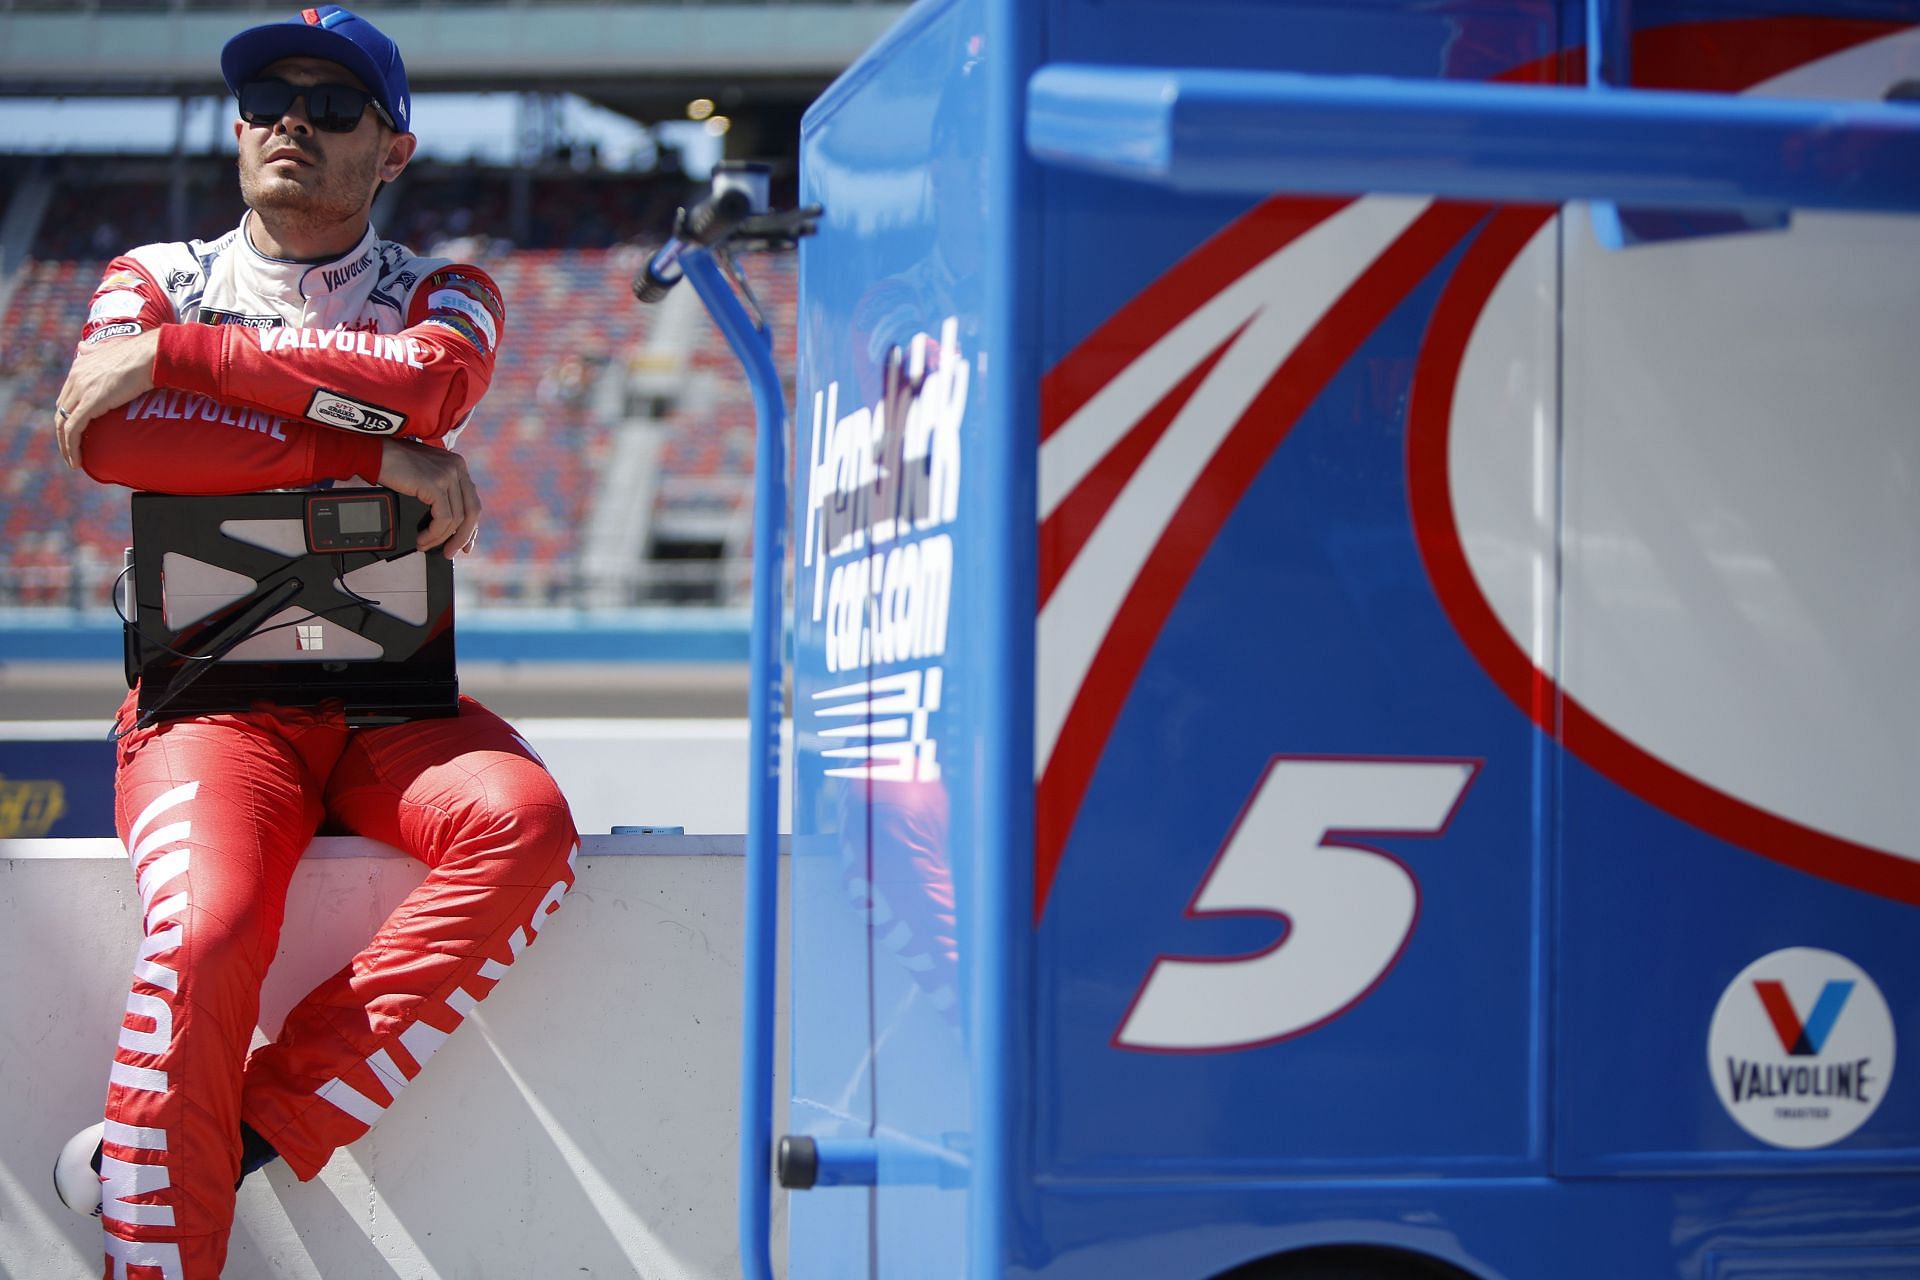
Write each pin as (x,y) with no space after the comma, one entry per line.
(399,151)
(239,129)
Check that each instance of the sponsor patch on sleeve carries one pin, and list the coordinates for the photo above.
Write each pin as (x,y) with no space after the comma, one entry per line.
(465,301)
(214,315)
(120,329)
(462,326)
(442,301)
(117,304)
(335,410)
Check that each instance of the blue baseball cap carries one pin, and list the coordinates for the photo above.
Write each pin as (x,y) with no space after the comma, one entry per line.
(330,32)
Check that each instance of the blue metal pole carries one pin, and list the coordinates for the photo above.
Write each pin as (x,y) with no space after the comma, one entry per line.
(1005,517)
(754,348)
(1257,132)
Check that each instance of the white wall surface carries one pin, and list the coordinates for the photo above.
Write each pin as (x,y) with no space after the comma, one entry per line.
(684,773)
(582,1124)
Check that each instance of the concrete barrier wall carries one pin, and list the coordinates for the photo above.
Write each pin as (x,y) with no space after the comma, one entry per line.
(582,1124)
(685,773)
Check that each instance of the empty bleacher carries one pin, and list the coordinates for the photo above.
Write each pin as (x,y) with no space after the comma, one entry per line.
(702,521)
(540,444)
(61,534)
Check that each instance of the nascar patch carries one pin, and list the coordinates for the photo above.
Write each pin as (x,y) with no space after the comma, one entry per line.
(332,409)
(214,315)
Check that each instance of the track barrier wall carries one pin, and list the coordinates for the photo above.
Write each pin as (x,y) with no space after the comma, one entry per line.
(583,1124)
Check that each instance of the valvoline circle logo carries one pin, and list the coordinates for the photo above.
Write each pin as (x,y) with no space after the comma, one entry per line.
(1801,1048)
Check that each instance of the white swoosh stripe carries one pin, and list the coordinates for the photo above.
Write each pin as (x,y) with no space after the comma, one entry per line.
(158,836)
(1287,296)
(1090,434)
(167,800)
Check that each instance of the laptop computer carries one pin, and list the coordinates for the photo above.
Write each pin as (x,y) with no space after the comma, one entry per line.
(292,598)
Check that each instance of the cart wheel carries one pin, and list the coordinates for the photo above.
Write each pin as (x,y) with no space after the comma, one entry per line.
(1346,1263)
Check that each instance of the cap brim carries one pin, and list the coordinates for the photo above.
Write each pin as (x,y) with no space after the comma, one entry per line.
(257,48)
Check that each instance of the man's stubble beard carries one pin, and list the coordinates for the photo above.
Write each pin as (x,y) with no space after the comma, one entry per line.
(343,193)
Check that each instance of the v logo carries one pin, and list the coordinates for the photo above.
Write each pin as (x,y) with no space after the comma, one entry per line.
(1803,1039)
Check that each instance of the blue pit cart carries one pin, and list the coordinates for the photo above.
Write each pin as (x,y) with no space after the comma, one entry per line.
(1353,597)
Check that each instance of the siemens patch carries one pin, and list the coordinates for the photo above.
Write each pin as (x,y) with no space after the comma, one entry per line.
(455,300)
(121,304)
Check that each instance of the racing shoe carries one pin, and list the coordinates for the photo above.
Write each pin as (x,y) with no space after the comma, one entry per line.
(76,1174)
(255,1152)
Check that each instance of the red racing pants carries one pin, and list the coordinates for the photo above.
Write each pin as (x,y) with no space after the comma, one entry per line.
(215,812)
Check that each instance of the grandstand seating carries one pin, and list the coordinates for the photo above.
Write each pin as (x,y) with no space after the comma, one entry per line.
(564,209)
(61,535)
(703,506)
(93,215)
(717,438)
(538,446)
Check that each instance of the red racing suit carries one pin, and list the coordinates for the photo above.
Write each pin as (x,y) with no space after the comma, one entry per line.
(273,374)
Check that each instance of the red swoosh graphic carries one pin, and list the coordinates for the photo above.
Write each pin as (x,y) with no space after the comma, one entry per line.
(1723,56)
(1548,706)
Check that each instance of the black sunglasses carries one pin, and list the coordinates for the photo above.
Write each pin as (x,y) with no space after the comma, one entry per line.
(331,108)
